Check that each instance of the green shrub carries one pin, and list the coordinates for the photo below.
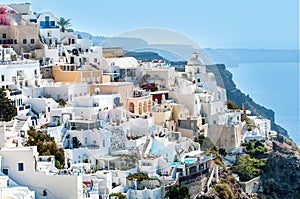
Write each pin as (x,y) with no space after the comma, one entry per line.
(249,168)
(231,105)
(255,148)
(46,146)
(7,109)
(222,152)
(176,192)
(138,176)
(231,179)
(119,195)
(225,191)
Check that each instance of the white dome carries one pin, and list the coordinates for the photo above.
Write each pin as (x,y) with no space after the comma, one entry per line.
(195,60)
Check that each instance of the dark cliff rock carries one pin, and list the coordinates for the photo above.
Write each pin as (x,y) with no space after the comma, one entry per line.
(224,79)
(281,177)
(228,188)
(144,55)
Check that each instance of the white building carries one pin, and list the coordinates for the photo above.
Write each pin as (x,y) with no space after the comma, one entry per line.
(65,91)
(87,145)
(9,189)
(48,28)
(20,164)
(17,74)
(125,67)
(170,146)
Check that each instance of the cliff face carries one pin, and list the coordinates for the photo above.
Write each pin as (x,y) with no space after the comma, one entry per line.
(224,79)
(281,177)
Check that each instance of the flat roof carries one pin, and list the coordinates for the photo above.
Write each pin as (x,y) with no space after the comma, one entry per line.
(115,83)
(158,92)
(107,158)
(26,148)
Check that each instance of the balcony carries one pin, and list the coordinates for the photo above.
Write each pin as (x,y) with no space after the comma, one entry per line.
(21,78)
(118,105)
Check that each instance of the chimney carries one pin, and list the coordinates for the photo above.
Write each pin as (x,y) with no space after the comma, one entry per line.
(22,54)
(244,108)
(2,135)
(3,56)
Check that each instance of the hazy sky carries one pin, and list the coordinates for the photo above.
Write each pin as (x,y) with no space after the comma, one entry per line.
(211,23)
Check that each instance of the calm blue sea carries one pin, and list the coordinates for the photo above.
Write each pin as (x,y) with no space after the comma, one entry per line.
(275,86)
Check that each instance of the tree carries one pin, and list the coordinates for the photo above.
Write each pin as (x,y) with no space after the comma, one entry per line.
(46,146)
(201,139)
(64,23)
(249,168)
(222,151)
(138,176)
(224,190)
(118,195)
(231,105)
(7,109)
(176,192)
(61,102)
(205,143)
(255,148)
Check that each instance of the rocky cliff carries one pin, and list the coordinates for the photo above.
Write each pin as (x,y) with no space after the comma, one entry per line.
(281,176)
(224,79)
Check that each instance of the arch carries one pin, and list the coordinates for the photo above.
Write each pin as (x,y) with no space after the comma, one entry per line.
(140,108)
(145,107)
(66,116)
(131,107)
(149,105)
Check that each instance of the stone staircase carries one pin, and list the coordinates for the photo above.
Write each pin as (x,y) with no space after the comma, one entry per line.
(145,147)
(19,125)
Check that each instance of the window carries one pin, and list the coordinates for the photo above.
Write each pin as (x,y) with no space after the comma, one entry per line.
(117,101)
(20,166)
(103,143)
(20,72)
(15,41)
(198,80)
(4,35)
(3,78)
(5,171)
(24,41)
(192,126)
(35,71)
(47,21)
(95,60)
(32,41)
(48,109)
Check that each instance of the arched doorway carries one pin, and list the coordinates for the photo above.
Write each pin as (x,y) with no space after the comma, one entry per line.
(145,107)
(149,105)
(131,107)
(140,108)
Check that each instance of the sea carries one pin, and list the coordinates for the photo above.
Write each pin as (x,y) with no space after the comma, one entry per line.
(275,86)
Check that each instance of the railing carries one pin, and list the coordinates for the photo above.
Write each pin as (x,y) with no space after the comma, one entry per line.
(17,62)
(192,177)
